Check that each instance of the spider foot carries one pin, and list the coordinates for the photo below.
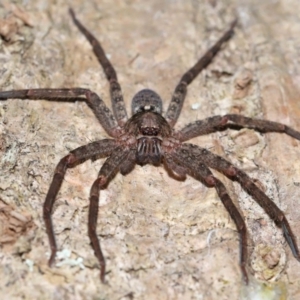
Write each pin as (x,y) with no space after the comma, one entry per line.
(290,238)
(52,258)
(102,273)
(244,274)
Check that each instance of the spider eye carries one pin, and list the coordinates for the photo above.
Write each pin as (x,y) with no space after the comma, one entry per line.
(146,100)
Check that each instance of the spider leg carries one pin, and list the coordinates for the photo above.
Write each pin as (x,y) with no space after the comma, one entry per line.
(222,165)
(107,171)
(110,73)
(77,156)
(201,127)
(200,171)
(174,169)
(271,208)
(260,125)
(179,94)
(127,165)
(233,121)
(101,111)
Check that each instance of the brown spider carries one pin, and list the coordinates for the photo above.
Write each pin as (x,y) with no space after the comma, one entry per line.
(149,138)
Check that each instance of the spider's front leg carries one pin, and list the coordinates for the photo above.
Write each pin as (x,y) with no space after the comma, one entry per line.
(179,94)
(107,171)
(101,111)
(110,73)
(78,156)
(233,121)
(196,168)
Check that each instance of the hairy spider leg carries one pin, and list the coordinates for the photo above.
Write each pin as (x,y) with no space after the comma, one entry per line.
(79,155)
(228,169)
(101,111)
(233,121)
(107,171)
(118,104)
(173,168)
(198,169)
(179,94)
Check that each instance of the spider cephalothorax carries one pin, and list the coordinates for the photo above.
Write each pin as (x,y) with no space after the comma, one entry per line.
(148,137)
(148,127)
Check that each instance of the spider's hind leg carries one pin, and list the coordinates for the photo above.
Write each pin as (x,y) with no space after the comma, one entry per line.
(233,173)
(184,156)
(107,172)
(271,209)
(74,158)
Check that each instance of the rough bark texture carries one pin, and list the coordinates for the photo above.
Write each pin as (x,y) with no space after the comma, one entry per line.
(162,239)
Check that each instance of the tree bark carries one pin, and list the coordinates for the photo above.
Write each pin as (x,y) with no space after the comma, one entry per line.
(162,239)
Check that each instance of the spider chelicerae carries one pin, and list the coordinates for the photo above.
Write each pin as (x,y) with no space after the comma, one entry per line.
(147,137)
